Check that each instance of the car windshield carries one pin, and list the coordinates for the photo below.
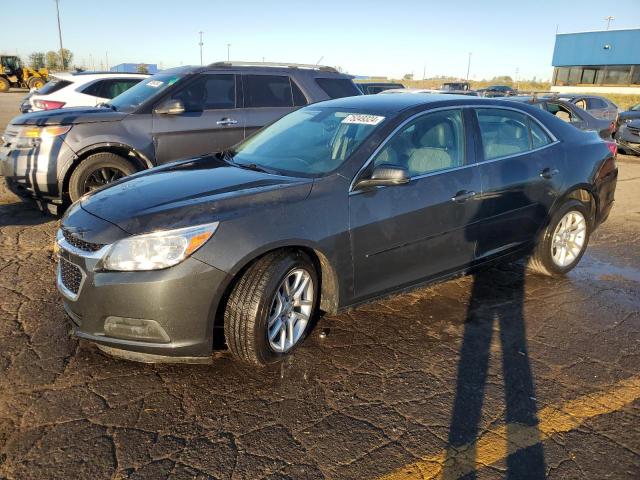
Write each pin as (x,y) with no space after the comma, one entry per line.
(308,142)
(636,108)
(136,95)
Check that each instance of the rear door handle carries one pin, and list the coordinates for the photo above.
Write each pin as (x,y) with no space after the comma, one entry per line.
(463,196)
(226,121)
(549,173)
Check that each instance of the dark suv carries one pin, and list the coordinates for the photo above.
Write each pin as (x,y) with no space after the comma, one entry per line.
(60,155)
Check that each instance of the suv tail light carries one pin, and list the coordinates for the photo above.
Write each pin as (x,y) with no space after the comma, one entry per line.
(48,104)
(613,148)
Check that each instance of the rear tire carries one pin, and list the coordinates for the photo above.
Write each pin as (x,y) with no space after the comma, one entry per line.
(561,246)
(253,309)
(35,82)
(96,171)
(4,85)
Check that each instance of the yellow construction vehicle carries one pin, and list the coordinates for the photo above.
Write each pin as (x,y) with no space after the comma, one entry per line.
(14,74)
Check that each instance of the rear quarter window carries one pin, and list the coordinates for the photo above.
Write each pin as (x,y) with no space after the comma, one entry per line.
(338,87)
(53,86)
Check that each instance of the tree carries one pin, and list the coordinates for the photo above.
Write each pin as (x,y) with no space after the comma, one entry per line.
(52,59)
(142,68)
(37,60)
(502,79)
(408,76)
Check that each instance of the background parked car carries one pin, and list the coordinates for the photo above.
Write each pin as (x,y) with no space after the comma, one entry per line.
(494,91)
(569,113)
(83,89)
(628,136)
(178,113)
(599,107)
(632,114)
(371,88)
(429,90)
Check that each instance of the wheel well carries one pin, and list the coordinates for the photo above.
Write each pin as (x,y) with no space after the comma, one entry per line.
(585,196)
(329,291)
(122,151)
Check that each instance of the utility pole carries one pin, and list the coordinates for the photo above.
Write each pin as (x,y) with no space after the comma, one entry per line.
(517,78)
(228,49)
(608,19)
(106,58)
(468,66)
(60,37)
(424,71)
(200,46)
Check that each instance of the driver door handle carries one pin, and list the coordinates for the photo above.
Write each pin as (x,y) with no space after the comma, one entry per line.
(549,173)
(463,196)
(226,121)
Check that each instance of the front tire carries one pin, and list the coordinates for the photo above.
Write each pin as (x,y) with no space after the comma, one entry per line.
(271,308)
(97,171)
(563,242)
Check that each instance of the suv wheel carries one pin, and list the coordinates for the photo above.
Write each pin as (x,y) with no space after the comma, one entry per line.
(271,308)
(563,242)
(97,171)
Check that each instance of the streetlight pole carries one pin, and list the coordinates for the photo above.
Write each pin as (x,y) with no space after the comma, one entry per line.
(608,19)
(60,36)
(468,66)
(200,46)
(228,49)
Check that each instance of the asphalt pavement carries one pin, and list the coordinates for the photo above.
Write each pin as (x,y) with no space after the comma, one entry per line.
(503,374)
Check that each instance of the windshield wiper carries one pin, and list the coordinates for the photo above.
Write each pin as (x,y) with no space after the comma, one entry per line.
(251,166)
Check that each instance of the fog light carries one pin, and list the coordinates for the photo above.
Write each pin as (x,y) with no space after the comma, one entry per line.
(135,329)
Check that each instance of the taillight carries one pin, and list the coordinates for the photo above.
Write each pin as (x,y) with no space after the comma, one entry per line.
(48,104)
(613,148)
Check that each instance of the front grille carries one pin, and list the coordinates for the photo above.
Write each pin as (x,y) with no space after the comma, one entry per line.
(70,275)
(634,130)
(81,244)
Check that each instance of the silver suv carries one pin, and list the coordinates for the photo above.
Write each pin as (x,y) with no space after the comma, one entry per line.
(58,156)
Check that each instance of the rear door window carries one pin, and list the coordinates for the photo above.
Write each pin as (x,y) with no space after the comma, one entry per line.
(268,91)
(338,87)
(94,89)
(593,103)
(504,132)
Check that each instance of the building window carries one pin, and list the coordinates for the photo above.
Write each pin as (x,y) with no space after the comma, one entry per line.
(589,75)
(562,76)
(635,75)
(575,73)
(617,75)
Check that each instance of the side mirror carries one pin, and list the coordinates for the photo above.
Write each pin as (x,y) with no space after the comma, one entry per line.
(384,175)
(172,106)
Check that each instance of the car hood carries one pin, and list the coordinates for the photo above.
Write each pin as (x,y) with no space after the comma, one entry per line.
(189,193)
(69,116)
(629,114)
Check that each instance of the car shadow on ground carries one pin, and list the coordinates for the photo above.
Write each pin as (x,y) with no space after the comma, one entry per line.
(17,214)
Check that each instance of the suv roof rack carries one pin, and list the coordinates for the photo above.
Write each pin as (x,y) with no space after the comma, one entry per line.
(309,66)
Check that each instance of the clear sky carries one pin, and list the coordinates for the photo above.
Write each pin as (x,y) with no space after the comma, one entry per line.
(363,37)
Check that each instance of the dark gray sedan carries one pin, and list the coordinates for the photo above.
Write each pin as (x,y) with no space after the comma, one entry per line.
(333,205)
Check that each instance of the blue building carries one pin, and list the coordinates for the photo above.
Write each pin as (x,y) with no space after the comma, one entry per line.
(133,67)
(608,61)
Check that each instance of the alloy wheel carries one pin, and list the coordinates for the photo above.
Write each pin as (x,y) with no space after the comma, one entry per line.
(101,177)
(568,238)
(290,311)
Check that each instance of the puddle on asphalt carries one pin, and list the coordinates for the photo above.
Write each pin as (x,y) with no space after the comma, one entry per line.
(599,270)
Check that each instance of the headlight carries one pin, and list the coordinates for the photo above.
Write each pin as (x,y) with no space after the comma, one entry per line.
(30,137)
(157,250)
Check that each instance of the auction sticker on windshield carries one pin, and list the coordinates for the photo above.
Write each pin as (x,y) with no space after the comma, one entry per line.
(362,119)
(154,83)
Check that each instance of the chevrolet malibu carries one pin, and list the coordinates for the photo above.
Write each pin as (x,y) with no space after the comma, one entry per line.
(333,205)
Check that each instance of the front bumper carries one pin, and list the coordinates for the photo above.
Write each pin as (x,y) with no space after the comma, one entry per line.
(179,302)
(34,172)
(628,139)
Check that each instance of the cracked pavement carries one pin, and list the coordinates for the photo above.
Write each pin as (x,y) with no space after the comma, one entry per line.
(375,397)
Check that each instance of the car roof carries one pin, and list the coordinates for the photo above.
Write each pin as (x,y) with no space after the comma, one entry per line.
(396,103)
(89,76)
(273,67)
